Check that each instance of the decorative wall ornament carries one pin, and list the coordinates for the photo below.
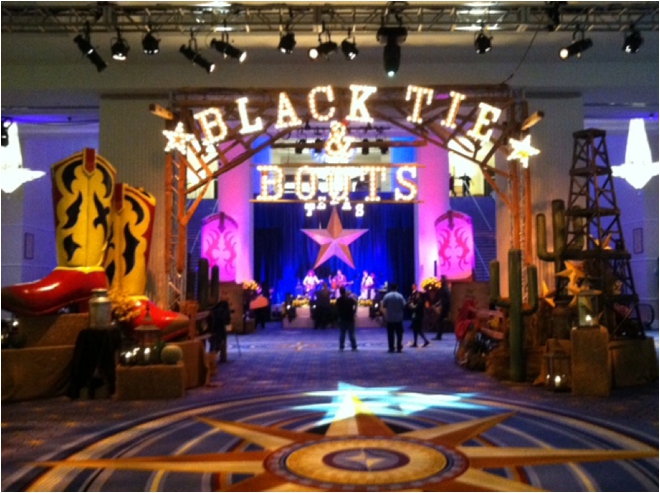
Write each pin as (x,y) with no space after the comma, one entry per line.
(455,237)
(334,240)
(219,232)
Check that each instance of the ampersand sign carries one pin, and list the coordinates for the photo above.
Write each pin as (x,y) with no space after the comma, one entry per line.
(338,145)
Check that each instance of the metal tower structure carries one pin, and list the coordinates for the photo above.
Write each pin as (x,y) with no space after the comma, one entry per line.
(605,260)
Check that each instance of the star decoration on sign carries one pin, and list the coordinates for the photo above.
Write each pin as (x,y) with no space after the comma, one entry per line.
(547,295)
(574,271)
(334,240)
(178,139)
(522,150)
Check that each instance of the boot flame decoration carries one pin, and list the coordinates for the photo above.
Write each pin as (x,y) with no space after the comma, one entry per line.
(127,257)
(82,193)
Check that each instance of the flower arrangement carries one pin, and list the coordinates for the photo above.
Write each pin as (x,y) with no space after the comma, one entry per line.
(298,302)
(362,302)
(431,283)
(250,285)
(124,307)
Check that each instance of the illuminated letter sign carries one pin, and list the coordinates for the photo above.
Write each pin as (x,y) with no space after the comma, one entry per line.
(405,183)
(276,181)
(450,120)
(312,103)
(420,92)
(286,113)
(246,126)
(207,126)
(488,114)
(359,112)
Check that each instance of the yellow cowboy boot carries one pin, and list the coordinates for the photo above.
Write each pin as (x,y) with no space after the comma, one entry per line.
(127,257)
(82,192)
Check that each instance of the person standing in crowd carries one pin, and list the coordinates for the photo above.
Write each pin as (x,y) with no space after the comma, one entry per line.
(346,307)
(394,303)
(444,295)
(322,307)
(219,318)
(416,305)
(466,184)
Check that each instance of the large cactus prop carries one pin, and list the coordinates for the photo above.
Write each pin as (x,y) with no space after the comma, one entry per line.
(514,305)
(559,240)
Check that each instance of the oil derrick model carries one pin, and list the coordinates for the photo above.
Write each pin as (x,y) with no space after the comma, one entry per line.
(593,220)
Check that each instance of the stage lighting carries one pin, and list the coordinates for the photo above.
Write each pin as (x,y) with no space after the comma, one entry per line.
(86,48)
(120,47)
(576,47)
(192,54)
(228,50)
(633,40)
(349,48)
(365,149)
(482,43)
(287,43)
(299,148)
(323,49)
(392,37)
(150,44)
(383,148)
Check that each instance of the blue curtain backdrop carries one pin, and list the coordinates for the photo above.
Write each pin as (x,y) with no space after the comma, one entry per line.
(283,253)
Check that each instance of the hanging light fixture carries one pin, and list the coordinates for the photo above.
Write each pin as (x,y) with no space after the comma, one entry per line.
(226,48)
(325,48)
(192,54)
(287,37)
(348,47)
(632,40)
(482,42)
(392,37)
(579,44)
(150,44)
(120,47)
(85,46)
(12,172)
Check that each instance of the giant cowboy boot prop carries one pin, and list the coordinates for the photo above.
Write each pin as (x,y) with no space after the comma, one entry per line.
(83,185)
(127,258)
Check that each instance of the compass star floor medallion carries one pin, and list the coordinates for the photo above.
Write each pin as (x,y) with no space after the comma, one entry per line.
(356,452)
(334,240)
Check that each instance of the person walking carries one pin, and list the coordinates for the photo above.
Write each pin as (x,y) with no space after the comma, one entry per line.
(394,303)
(416,305)
(346,308)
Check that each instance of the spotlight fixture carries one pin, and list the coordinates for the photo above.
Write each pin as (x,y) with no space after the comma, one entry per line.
(576,47)
(482,42)
(383,148)
(150,44)
(192,54)
(349,48)
(392,37)
(6,123)
(228,50)
(365,148)
(325,48)
(633,40)
(86,48)
(120,47)
(299,148)
(287,43)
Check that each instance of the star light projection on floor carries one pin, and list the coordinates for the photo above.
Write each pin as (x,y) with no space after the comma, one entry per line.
(359,451)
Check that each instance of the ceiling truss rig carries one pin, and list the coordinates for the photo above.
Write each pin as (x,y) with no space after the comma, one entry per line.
(363,18)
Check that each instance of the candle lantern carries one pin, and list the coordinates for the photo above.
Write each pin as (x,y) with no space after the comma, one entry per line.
(587,302)
(558,369)
(148,337)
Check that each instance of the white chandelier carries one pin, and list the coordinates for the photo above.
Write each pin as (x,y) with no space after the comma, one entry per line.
(639,167)
(12,172)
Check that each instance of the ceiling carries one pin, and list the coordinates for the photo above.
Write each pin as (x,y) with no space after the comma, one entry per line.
(39,56)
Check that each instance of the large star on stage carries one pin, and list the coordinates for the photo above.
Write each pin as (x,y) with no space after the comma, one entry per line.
(334,240)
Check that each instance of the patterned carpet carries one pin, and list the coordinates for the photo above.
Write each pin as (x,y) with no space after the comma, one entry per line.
(293,413)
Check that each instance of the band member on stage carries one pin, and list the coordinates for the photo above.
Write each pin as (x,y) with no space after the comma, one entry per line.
(339,281)
(310,282)
(366,286)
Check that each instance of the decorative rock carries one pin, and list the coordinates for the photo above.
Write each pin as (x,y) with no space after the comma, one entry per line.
(171,354)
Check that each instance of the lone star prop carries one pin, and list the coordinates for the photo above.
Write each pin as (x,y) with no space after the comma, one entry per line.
(178,139)
(334,240)
(522,150)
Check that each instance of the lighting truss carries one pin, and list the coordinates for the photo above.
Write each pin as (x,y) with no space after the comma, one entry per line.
(40,17)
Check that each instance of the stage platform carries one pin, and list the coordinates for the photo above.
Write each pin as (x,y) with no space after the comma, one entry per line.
(304,320)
